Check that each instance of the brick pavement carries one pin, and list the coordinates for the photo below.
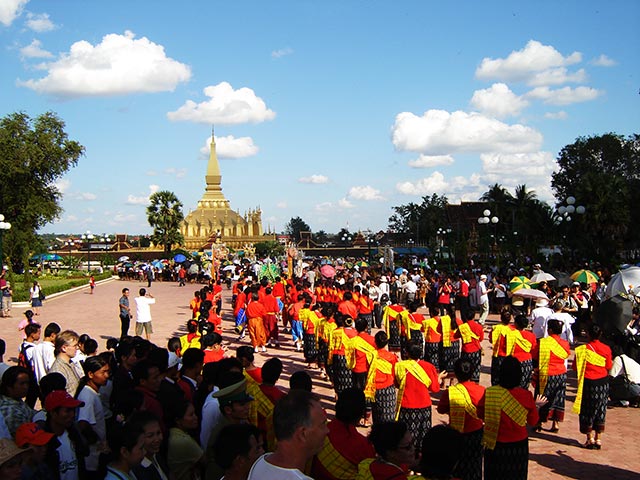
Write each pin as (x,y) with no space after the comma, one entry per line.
(552,456)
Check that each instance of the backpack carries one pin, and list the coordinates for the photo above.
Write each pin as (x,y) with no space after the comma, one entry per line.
(23,361)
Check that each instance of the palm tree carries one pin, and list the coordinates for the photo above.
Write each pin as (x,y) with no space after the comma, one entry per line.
(498,196)
(164,214)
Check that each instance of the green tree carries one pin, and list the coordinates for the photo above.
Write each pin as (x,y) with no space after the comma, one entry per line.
(34,154)
(603,174)
(165,215)
(294,227)
(420,221)
(269,248)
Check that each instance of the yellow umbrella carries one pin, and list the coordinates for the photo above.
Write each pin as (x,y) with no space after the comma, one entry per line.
(585,276)
(516,283)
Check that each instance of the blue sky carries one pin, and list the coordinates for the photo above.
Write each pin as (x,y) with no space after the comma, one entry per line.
(333,111)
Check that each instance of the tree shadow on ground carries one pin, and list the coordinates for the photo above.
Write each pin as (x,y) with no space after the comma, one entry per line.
(568,467)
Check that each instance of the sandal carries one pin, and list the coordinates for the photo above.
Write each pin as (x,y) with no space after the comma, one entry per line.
(597,445)
(589,445)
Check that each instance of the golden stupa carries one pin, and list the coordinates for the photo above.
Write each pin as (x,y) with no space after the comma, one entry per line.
(213,221)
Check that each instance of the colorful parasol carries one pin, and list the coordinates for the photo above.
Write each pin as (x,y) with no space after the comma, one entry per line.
(516,283)
(585,276)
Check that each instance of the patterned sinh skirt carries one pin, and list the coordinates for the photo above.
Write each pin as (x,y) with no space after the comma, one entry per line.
(507,461)
(418,338)
(432,354)
(323,352)
(309,347)
(555,393)
(342,378)
(593,409)
(475,358)
(394,335)
(384,408)
(469,466)
(527,371)
(369,318)
(496,362)
(449,355)
(418,421)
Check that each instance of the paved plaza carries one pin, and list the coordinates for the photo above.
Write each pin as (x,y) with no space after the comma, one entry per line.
(552,456)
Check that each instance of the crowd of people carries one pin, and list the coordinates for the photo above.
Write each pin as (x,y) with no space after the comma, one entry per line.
(199,407)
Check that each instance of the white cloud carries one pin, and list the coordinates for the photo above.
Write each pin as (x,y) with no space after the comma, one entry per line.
(434,183)
(428,161)
(498,101)
(603,61)
(438,132)
(519,166)
(315,179)
(39,22)
(281,205)
(561,115)
(69,218)
(122,218)
(522,65)
(231,147)
(10,10)
(557,76)
(142,200)
(176,172)
(282,52)
(324,207)
(62,185)
(345,203)
(119,65)
(564,96)
(365,193)
(86,196)
(225,106)
(35,50)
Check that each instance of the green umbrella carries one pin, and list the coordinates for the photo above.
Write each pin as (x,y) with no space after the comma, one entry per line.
(516,283)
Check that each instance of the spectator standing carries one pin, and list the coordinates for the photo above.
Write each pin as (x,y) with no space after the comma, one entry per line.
(143,312)
(44,352)
(125,313)
(66,348)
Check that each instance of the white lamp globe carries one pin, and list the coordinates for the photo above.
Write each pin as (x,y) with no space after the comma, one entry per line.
(571,200)
(494,220)
(580,209)
(562,209)
(571,209)
(486,213)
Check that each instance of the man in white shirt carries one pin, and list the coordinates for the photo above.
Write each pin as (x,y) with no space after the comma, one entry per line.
(300,425)
(482,295)
(143,313)
(624,390)
(43,352)
(566,319)
(539,317)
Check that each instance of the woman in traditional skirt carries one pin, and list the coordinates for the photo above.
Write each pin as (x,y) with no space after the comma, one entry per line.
(499,335)
(391,319)
(506,410)
(310,335)
(341,373)
(548,358)
(325,327)
(460,402)
(471,333)
(432,339)
(592,364)
(414,325)
(380,388)
(449,346)
(524,341)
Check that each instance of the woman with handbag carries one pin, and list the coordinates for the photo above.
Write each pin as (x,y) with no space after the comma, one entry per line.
(36,295)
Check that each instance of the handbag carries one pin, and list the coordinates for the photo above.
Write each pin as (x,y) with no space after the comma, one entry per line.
(41,295)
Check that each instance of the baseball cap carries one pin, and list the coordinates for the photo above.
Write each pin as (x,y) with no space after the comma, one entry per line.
(60,398)
(30,433)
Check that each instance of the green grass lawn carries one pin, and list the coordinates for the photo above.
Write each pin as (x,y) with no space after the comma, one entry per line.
(50,283)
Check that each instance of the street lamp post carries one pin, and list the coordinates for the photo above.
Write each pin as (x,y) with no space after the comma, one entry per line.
(565,210)
(3,226)
(88,237)
(486,219)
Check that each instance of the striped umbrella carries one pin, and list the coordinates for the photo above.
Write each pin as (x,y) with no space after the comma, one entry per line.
(516,283)
(585,276)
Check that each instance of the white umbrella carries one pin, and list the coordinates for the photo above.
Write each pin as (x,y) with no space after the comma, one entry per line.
(123,258)
(228,268)
(625,281)
(542,277)
(531,293)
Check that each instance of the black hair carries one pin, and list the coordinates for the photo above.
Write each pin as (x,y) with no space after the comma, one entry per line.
(300,380)
(31,328)
(123,436)
(124,349)
(192,326)
(554,327)
(173,345)
(10,377)
(414,351)
(83,338)
(112,343)
(50,382)
(381,339)
(159,357)
(90,346)
(442,447)
(505,315)
(594,332)
(350,406)
(386,436)
(51,328)
(142,292)
(210,339)
(271,370)
(176,411)
(191,357)
(3,347)
(361,324)
(29,315)
(521,322)
(233,442)
(245,352)
(140,370)
(463,369)
(292,412)
(90,365)
(510,373)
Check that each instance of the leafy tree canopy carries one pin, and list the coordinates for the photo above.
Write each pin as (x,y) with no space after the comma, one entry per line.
(295,226)
(164,214)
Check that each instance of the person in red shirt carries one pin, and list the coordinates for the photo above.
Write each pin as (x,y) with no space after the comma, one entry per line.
(212,347)
(239,310)
(549,357)
(445,290)
(472,334)
(341,375)
(194,305)
(271,371)
(395,449)
(352,447)
(592,363)
(432,339)
(363,351)
(522,349)
(270,304)
(462,295)
(499,335)
(507,409)
(365,308)
(347,307)
(182,276)
(415,378)
(382,370)
(217,296)
(460,402)
(449,345)
(256,314)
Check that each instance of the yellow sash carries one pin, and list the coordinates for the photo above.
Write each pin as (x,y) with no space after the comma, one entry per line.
(329,328)
(333,461)
(410,324)
(402,369)
(514,337)
(459,404)
(364,472)
(466,333)
(583,356)
(377,364)
(445,321)
(388,315)
(547,346)
(430,323)
(498,400)
(359,343)
(349,351)
(498,331)
(261,403)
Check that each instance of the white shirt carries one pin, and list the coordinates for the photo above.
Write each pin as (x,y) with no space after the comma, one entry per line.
(567,320)
(43,358)
(68,459)
(143,309)
(93,414)
(538,318)
(630,365)
(263,470)
(410,287)
(482,292)
(211,415)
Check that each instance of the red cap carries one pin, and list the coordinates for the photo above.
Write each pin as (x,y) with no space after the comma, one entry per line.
(60,398)
(30,433)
